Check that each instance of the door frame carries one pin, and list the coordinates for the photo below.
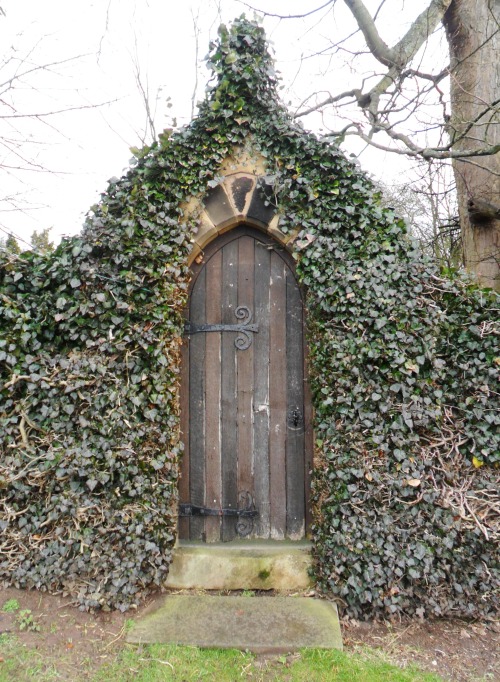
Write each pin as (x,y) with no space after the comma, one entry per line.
(219,240)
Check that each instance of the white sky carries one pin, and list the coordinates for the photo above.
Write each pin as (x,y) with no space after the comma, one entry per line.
(56,166)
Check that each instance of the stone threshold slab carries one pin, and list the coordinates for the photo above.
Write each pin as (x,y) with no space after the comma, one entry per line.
(241,566)
(262,624)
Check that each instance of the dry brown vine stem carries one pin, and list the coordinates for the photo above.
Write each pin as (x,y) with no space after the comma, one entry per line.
(22,430)
(24,471)
(413,502)
(31,423)
(15,379)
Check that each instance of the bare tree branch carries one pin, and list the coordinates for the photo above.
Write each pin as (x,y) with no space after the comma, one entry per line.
(197,47)
(411,149)
(78,107)
(287,16)
(377,46)
(149,132)
(330,100)
(44,67)
(420,30)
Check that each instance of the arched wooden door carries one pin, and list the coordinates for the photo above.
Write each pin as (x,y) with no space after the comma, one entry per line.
(245,470)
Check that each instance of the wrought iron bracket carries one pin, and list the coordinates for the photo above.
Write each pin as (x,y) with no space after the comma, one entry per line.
(188,509)
(244,329)
(245,513)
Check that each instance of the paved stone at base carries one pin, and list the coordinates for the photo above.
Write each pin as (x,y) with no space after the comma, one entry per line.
(259,624)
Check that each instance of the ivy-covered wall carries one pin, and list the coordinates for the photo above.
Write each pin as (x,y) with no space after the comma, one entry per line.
(404,365)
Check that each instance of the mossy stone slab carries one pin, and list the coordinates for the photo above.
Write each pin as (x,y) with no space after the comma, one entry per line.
(241,566)
(261,624)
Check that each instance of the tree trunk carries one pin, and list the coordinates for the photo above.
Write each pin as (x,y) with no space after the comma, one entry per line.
(473,30)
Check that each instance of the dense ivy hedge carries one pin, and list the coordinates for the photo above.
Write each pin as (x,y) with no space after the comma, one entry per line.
(403,362)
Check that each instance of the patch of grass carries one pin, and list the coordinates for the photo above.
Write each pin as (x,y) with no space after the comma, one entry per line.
(129,624)
(322,665)
(23,664)
(160,662)
(11,606)
(20,663)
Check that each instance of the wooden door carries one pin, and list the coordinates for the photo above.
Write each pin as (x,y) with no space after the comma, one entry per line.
(244,470)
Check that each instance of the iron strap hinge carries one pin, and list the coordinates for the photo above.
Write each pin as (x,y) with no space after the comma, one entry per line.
(192,328)
(195,510)
(245,512)
(244,329)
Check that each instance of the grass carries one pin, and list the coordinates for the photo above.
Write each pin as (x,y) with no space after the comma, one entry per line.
(158,663)
(21,664)
(11,606)
(161,662)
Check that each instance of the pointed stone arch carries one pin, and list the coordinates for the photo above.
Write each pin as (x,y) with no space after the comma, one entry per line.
(241,197)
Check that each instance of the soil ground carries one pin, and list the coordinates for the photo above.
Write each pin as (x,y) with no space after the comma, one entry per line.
(457,650)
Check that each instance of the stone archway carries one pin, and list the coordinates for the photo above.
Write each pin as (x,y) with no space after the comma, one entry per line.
(242,197)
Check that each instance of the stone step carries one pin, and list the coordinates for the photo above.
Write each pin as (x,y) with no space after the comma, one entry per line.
(241,566)
(262,624)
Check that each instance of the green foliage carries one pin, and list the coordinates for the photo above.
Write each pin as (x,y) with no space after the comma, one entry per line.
(160,662)
(26,621)
(11,606)
(40,241)
(11,245)
(403,364)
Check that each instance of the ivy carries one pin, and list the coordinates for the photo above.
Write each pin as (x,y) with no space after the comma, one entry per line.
(403,365)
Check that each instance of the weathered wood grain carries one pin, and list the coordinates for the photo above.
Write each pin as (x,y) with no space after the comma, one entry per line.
(261,390)
(244,364)
(277,396)
(295,411)
(213,498)
(229,410)
(197,405)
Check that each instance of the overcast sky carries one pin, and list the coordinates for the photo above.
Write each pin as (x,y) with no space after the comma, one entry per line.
(83,60)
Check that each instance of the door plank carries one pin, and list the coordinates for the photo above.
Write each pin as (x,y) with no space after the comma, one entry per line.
(213,396)
(244,364)
(295,404)
(308,442)
(184,494)
(228,384)
(277,396)
(197,406)
(261,389)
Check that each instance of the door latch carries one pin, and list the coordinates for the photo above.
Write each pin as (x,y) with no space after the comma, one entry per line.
(295,418)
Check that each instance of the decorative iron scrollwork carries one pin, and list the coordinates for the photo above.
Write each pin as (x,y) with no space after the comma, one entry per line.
(244,330)
(244,340)
(246,514)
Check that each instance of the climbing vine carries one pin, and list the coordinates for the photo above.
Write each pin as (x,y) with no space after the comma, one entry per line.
(403,363)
